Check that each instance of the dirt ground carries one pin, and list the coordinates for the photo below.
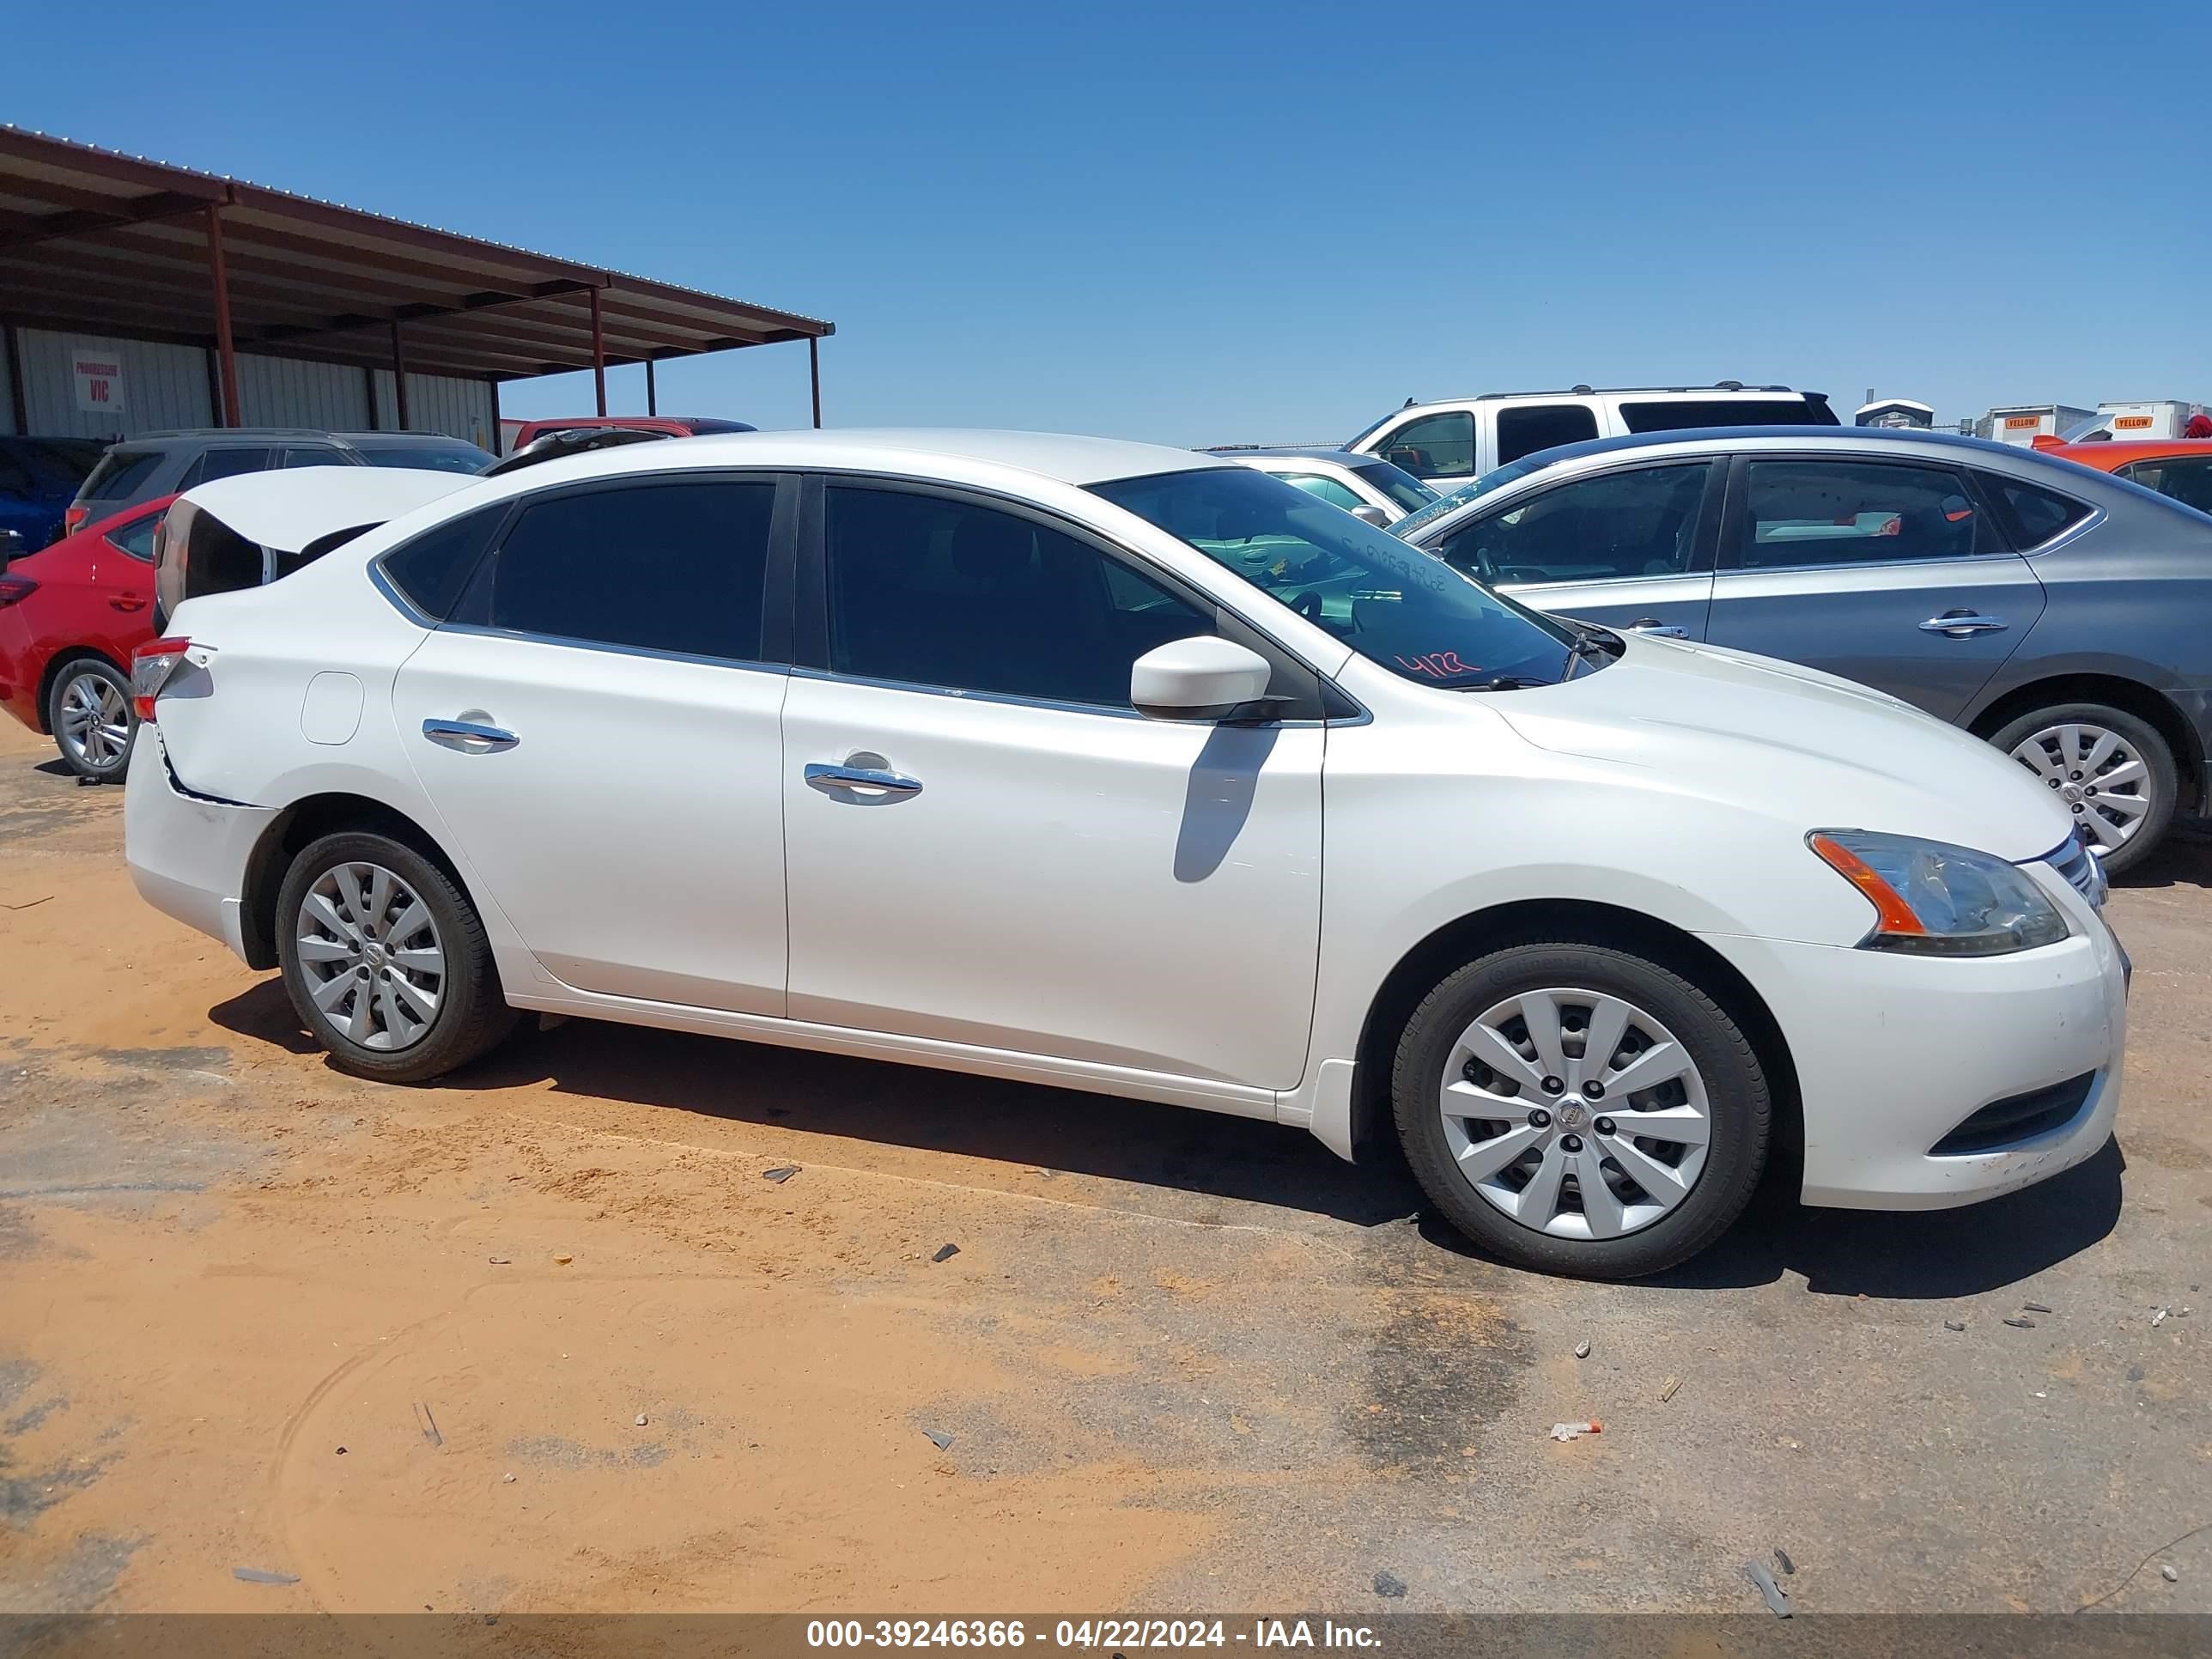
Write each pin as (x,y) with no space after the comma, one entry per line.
(548,1339)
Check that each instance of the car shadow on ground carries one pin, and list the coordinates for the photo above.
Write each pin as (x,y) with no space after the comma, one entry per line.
(2185,859)
(1934,1254)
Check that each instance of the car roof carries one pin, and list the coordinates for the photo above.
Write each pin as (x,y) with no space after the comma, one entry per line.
(1770,437)
(1064,457)
(2118,452)
(402,440)
(1336,452)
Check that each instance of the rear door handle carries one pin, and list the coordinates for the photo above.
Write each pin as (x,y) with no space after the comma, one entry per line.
(469,737)
(861,779)
(1653,625)
(1962,624)
(127,602)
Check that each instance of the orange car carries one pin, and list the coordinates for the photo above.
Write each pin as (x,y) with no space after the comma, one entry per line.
(2180,467)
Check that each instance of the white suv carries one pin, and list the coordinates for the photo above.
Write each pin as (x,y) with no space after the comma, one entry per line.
(1449,443)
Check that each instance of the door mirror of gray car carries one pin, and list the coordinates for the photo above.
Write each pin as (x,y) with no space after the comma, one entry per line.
(1204,677)
(1368,513)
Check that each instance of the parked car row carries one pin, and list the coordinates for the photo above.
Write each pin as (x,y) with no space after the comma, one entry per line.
(1139,771)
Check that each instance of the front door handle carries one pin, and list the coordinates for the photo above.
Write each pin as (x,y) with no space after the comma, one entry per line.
(1653,625)
(127,602)
(469,737)
(860,779)
(1962,624)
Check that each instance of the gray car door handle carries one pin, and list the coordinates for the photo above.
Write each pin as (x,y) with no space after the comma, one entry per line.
(1652,625)
(835,779)
(1962,624)
(469,737)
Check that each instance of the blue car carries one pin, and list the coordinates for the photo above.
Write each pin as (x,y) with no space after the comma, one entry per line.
(38,478)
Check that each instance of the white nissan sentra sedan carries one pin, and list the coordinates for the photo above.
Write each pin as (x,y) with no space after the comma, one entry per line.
(1131,771)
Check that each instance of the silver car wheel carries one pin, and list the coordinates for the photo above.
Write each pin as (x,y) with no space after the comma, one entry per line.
(92,721)
(1576,1113)
(2097,772)
(371,956)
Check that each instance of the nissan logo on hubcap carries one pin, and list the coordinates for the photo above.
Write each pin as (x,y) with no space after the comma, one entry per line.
(1571,1115)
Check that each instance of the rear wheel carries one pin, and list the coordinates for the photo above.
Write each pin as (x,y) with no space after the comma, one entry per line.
(2111,769)
(88,712)
(386,960)
(1581,1110)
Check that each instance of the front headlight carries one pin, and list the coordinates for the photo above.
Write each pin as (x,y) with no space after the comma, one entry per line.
(1940,900)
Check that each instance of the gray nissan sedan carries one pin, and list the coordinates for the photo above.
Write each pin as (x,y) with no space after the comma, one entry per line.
(2063,614)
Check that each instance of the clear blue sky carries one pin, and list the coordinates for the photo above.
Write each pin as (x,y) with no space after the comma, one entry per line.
(1212,222)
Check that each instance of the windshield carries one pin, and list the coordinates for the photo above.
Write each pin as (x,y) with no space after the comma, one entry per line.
(1414,615)
(1496,478)
(1399,485)
(460,458)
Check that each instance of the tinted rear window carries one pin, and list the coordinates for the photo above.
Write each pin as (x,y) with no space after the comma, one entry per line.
(2032,514)
(1684,414)
(120,474)
(430,458)
(433,568)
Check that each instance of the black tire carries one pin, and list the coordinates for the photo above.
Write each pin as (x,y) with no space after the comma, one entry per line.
(91,758)
(1739,1105)
(2164,783)
(472,1015)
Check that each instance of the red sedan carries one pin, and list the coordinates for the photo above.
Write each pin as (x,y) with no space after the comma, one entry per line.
(70,618)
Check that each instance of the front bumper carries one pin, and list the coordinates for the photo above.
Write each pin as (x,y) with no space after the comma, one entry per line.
(187,854)
(1894,1052)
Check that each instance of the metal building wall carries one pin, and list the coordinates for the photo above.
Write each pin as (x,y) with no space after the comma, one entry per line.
(163,385)
(440,403)
(285,392)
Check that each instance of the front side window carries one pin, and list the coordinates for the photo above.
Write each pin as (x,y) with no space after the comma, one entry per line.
(1393,603)
(1529,427)
(2187,480)
(1434,445)
(1327,489)
(925,590)
(1800,514)
(137,538)
(677,567)
(1642,523)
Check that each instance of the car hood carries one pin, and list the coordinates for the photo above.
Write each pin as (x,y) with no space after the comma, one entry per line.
(1812,747)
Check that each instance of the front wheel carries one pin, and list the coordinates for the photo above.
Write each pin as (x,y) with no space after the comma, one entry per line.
(2113,770)
(88,712)
(386,960)
(1578,1109)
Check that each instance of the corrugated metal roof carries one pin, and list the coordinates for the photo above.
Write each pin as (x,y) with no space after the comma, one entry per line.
(92,239)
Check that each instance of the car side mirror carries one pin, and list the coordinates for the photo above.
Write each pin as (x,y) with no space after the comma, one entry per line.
(1368,513)
(1204,677)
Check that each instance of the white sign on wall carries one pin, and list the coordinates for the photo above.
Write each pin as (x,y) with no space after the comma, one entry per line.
(98,378)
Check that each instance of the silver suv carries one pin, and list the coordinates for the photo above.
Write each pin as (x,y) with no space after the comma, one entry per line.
(1453,442)
(168,463)
(2055,610)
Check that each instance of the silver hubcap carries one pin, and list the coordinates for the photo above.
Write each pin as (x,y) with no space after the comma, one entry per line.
(2098,774)
(372,955)
(1575,1113)
(94,723)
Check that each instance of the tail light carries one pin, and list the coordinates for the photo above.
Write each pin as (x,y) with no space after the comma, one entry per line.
(151,665)
(16,589)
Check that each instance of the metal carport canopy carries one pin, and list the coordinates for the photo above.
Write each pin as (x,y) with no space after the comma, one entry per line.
(93,241)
